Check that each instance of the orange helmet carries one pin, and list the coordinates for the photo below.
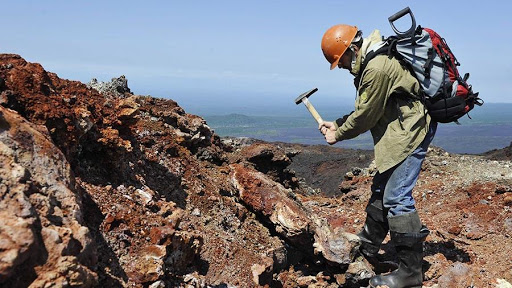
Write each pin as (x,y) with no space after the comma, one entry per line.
(335,42)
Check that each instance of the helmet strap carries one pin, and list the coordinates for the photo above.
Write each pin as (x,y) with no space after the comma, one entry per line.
(354,58)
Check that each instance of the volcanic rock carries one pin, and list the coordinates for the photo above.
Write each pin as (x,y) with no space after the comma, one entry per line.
(160,191)
(112,189)
(43,234)
(117,87)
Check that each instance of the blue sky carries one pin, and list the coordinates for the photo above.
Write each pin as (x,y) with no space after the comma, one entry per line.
(218,57)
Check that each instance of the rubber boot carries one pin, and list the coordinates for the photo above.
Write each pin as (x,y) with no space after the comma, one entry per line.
(374,230)
(407,235)
(371,236)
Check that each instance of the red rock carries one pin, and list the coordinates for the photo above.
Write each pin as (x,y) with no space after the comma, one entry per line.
(128,108)
(290,220)
(270,199)
(455,230)
(149,264)
(39,198)
(161,235)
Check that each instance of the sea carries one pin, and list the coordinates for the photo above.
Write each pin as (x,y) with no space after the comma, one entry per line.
(489,128)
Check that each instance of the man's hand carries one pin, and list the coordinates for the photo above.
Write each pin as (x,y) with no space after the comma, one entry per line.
(330,137)
(324,126)
(328,130)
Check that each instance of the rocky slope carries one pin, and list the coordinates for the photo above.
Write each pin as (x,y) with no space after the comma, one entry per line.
(111,189)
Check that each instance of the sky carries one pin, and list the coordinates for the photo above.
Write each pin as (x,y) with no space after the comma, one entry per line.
(252,57)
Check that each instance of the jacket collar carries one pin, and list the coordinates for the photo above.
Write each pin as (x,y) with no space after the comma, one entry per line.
(373,38)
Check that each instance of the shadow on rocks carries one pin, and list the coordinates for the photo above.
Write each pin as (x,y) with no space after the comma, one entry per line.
(448,249)
(106,256)
(102,165)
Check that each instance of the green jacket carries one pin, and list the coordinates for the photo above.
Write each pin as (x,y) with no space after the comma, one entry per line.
(398,123)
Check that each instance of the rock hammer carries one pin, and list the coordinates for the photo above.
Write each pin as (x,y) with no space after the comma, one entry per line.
(304,99)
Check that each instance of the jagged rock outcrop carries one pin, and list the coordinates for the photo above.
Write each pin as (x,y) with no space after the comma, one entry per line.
(113,189)
(43,236)
(162,199)
(117,87)
(271,201)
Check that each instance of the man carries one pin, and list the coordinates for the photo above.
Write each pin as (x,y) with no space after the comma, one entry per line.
(388,105)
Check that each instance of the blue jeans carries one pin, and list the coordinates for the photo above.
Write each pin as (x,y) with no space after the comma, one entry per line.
(397,183)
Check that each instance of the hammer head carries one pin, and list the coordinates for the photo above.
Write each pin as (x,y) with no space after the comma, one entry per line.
(299,99)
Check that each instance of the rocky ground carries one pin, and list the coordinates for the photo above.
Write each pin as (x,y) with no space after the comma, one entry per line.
(104,188)
(465,200)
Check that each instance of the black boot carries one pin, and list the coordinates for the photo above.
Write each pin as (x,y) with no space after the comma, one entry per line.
(374,230)
(407,235)
(371,236)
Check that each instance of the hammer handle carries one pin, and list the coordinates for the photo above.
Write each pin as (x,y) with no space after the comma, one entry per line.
(312,110)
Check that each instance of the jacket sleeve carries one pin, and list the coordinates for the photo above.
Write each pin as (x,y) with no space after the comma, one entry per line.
(370,104)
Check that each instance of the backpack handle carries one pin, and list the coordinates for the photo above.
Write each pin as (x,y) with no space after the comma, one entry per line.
(399,15)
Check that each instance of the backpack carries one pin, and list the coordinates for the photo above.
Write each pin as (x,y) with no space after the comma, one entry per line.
(446,95)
